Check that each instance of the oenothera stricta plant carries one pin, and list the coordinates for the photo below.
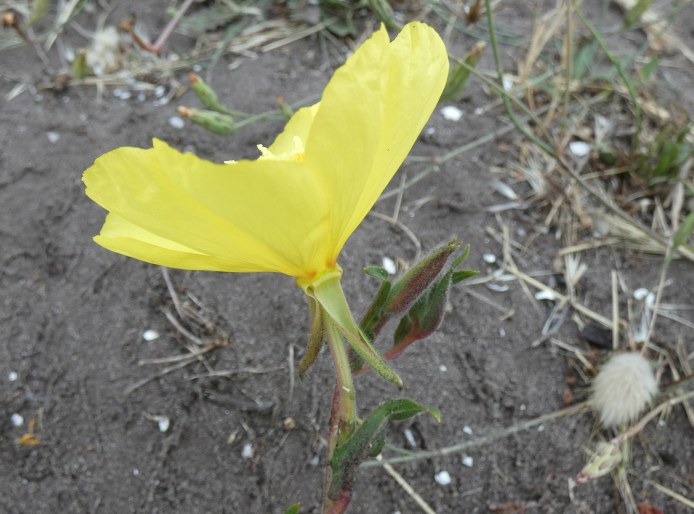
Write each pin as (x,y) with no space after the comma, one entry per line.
(291,211)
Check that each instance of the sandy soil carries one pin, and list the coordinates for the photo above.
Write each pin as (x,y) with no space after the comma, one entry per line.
(72,318)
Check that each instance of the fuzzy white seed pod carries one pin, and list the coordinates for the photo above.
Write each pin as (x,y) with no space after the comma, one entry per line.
(623,388)
(102,56)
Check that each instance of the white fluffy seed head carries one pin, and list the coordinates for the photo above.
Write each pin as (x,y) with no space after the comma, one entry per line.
(623,387)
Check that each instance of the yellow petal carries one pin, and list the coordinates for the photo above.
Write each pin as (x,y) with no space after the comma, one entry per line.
(299,126)
(370,115)
(265,215)
(121,236)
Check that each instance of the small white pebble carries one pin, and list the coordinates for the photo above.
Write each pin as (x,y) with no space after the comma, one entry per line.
(662,423)
(507,83)
(159,91)
(163,423)
(314,461)
(468,461)
(579,148)
(541,428)
(83,117)
(479,111)
(66,99)
(12,376)
(489,258)
(150,335)
(389,265)
(53,137)
(522,407)
(451,113)
(520,232)
(141,97)
(443,368)
(497,288)
(17,420)
(197,68)
(125,95)
(177,122)
(641,293)
(247,451)
(545,295)
(442,478)
(430,131)
(409,436)
(502,331)
(467,430)
(136,472)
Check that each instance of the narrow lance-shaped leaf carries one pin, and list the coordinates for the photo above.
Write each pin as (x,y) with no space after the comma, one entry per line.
(366,439)
(460,73)
(684,232)
(293,509)
(371,322)
(315,338)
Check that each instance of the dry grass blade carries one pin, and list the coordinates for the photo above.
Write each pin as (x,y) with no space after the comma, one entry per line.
(657,29)
(546,27)
(672,494)
(408,489)
(491,437)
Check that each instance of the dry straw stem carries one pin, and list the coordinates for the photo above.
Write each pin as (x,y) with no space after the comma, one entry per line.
(409,489)
(491,437)
(677,496)
(657,30)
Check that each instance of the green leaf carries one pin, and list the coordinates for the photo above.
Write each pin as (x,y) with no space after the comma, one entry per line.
(649,68)
(366,439)
(460,72)
(38,10)
(634,14)
(294,509)
(208,18)
(684,232)
(459,276)
(315,338)
(385,13)
(583,59)
(376,272)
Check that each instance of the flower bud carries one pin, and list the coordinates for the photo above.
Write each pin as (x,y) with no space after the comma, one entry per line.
(80,68)
(206,94)
(425,316)
(606,458)
(406,291)
(215,122)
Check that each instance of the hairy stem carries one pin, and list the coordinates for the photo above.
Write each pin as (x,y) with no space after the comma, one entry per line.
(343,416)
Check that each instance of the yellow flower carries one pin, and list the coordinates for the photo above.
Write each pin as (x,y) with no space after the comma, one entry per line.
(291,210)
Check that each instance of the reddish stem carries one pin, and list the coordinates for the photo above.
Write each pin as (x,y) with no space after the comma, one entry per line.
(158,45)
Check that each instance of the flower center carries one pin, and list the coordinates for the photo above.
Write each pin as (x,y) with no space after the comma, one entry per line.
(295,154)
